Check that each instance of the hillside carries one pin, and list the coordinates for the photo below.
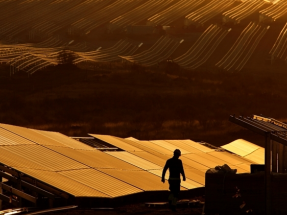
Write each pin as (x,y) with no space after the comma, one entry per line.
(143,104)
(213,60)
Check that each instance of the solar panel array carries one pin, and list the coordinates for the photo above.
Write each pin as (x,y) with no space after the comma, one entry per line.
(33,32)
(247,150)
(83,171)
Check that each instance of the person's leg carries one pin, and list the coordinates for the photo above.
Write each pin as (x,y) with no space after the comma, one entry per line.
(174,190)
(170,197)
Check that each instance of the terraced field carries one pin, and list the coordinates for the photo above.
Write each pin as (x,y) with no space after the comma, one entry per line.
(195,35)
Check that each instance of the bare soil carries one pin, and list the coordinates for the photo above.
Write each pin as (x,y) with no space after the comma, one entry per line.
(132,210)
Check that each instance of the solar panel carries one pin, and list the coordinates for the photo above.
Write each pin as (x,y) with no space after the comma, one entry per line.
(150,148)
(14,160)
(197,146)
(230,158)
(63,183)
(239,169)
(169,146)
(257,156)
(155,147)
(245,167)
(94,160)
(96,143)
(187,163)
(140,179)
(235,150)
(151,158)
(188,184)
(116,142)
(9,138)
(83,171)
(131,138)
(241,147)
(109,160)
(195,175)
(31,135)
(181,144)
(208,156)
(45,157)
(101,182)
(132,159)
(66,141)
(203,161)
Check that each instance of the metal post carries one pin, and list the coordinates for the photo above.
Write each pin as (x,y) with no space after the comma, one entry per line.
(274,156)
(267,173)
(280,158)
(285,159)
(19,186)
(1,191)
(51,203)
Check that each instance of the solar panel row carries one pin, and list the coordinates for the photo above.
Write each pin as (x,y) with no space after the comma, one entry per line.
(250,151)
(82,171)
(196,158)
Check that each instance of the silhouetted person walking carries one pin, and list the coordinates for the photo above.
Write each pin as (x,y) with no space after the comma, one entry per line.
(175,169)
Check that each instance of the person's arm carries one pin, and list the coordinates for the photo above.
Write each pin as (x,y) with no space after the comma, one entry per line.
(164,171)
(182,172)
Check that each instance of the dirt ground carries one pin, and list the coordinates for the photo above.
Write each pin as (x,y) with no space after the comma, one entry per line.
(132,210)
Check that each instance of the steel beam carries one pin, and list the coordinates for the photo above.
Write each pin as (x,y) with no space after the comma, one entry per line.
(259,124)
(28,185)
(53,210)
(9,177)
(10,171)
(47,188)
(42,186)
(8,199)
(19,193)
(257,128)
(278,139)
(249,126)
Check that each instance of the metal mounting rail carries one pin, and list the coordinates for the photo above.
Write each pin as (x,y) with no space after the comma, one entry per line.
(53,209)
(263,126)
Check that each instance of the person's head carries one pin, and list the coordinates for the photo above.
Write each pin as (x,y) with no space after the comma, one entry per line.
(177,153)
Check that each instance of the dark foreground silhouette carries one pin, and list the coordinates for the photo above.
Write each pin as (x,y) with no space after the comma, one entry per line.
(175,169)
